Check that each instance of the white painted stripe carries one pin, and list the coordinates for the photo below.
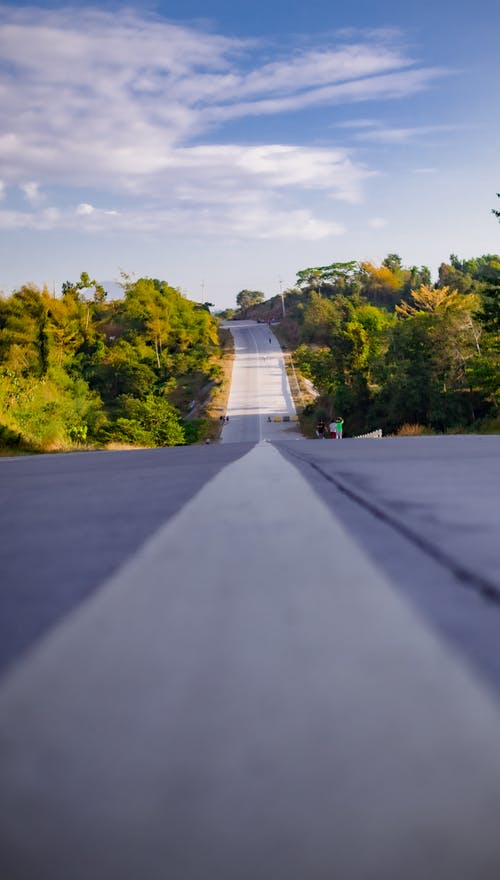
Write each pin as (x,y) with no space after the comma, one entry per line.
(248,698)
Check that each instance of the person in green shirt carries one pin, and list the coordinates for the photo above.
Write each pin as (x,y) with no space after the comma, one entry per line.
(338,430)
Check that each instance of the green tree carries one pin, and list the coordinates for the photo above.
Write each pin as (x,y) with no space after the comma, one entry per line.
(122,372)
(247,298)
(321,319)
(24,336)
(152,421)
(68,326)
(433,346)
(340,277)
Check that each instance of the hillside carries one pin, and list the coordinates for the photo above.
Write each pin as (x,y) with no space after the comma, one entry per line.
(386,348)
(77,370)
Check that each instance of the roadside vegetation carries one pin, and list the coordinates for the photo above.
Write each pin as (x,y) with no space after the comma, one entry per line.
(386,348)
(381,346)
(77,371)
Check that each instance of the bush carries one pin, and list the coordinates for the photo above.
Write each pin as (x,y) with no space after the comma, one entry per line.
(10,439)
(196,430)
(49,413)
(408,430)
(129,431)
(151,422)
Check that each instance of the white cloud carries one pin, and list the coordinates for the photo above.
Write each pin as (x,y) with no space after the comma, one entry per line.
(377,223)
(119,102)
(215,169)
(402,135)
(49,217)
(255,216)
(305,70)
(84,209)
(384,87)
(31,191)
(358,123)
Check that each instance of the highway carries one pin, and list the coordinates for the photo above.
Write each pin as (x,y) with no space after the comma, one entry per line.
(260,392)
(266,659)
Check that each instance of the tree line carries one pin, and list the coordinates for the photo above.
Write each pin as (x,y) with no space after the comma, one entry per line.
(78,369)
(385,347)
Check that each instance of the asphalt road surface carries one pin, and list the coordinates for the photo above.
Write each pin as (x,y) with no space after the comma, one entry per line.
(263,660)
(260,404)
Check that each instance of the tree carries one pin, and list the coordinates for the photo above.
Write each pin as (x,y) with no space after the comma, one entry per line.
(321,319)
(75,288)
(24,338)
(442,322)
(69,325)
(179,335)
(394,263)
(247,298)
(337,275)
(151,421)
(381,284)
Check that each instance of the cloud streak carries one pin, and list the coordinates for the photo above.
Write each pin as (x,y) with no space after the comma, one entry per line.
(124,103)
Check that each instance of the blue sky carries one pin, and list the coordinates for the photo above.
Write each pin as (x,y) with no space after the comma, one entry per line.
(222,146)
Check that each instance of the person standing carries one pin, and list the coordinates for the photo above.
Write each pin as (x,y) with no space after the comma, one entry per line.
(333,428)
(320,428)
(338,428)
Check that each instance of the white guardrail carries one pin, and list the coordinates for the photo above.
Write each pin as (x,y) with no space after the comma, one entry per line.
(372,435)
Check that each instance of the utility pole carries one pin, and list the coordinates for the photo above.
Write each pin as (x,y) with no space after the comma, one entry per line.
(282,295)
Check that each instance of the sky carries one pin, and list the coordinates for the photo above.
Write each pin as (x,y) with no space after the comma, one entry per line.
(220,145)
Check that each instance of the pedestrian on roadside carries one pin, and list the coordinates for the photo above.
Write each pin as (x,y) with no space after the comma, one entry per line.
(338,428)
(320,428)
(333,428)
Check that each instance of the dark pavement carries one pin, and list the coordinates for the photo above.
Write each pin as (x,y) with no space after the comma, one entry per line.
(68,521)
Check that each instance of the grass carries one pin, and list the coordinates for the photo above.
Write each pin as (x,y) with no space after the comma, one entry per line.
(490,425)
(408,430)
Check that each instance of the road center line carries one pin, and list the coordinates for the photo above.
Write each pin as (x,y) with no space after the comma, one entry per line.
(248,697)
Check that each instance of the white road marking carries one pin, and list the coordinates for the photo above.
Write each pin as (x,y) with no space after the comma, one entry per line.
(247,698)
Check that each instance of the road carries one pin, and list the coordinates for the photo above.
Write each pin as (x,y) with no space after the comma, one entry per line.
(272,659)
(260,403)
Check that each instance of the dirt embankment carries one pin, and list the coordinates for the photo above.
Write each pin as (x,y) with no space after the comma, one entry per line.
(216,404)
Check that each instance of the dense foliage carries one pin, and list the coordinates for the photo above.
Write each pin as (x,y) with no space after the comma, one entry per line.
(385,347)
(78,369)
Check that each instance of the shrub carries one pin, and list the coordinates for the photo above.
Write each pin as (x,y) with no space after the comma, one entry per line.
(152,422)
(407,430)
